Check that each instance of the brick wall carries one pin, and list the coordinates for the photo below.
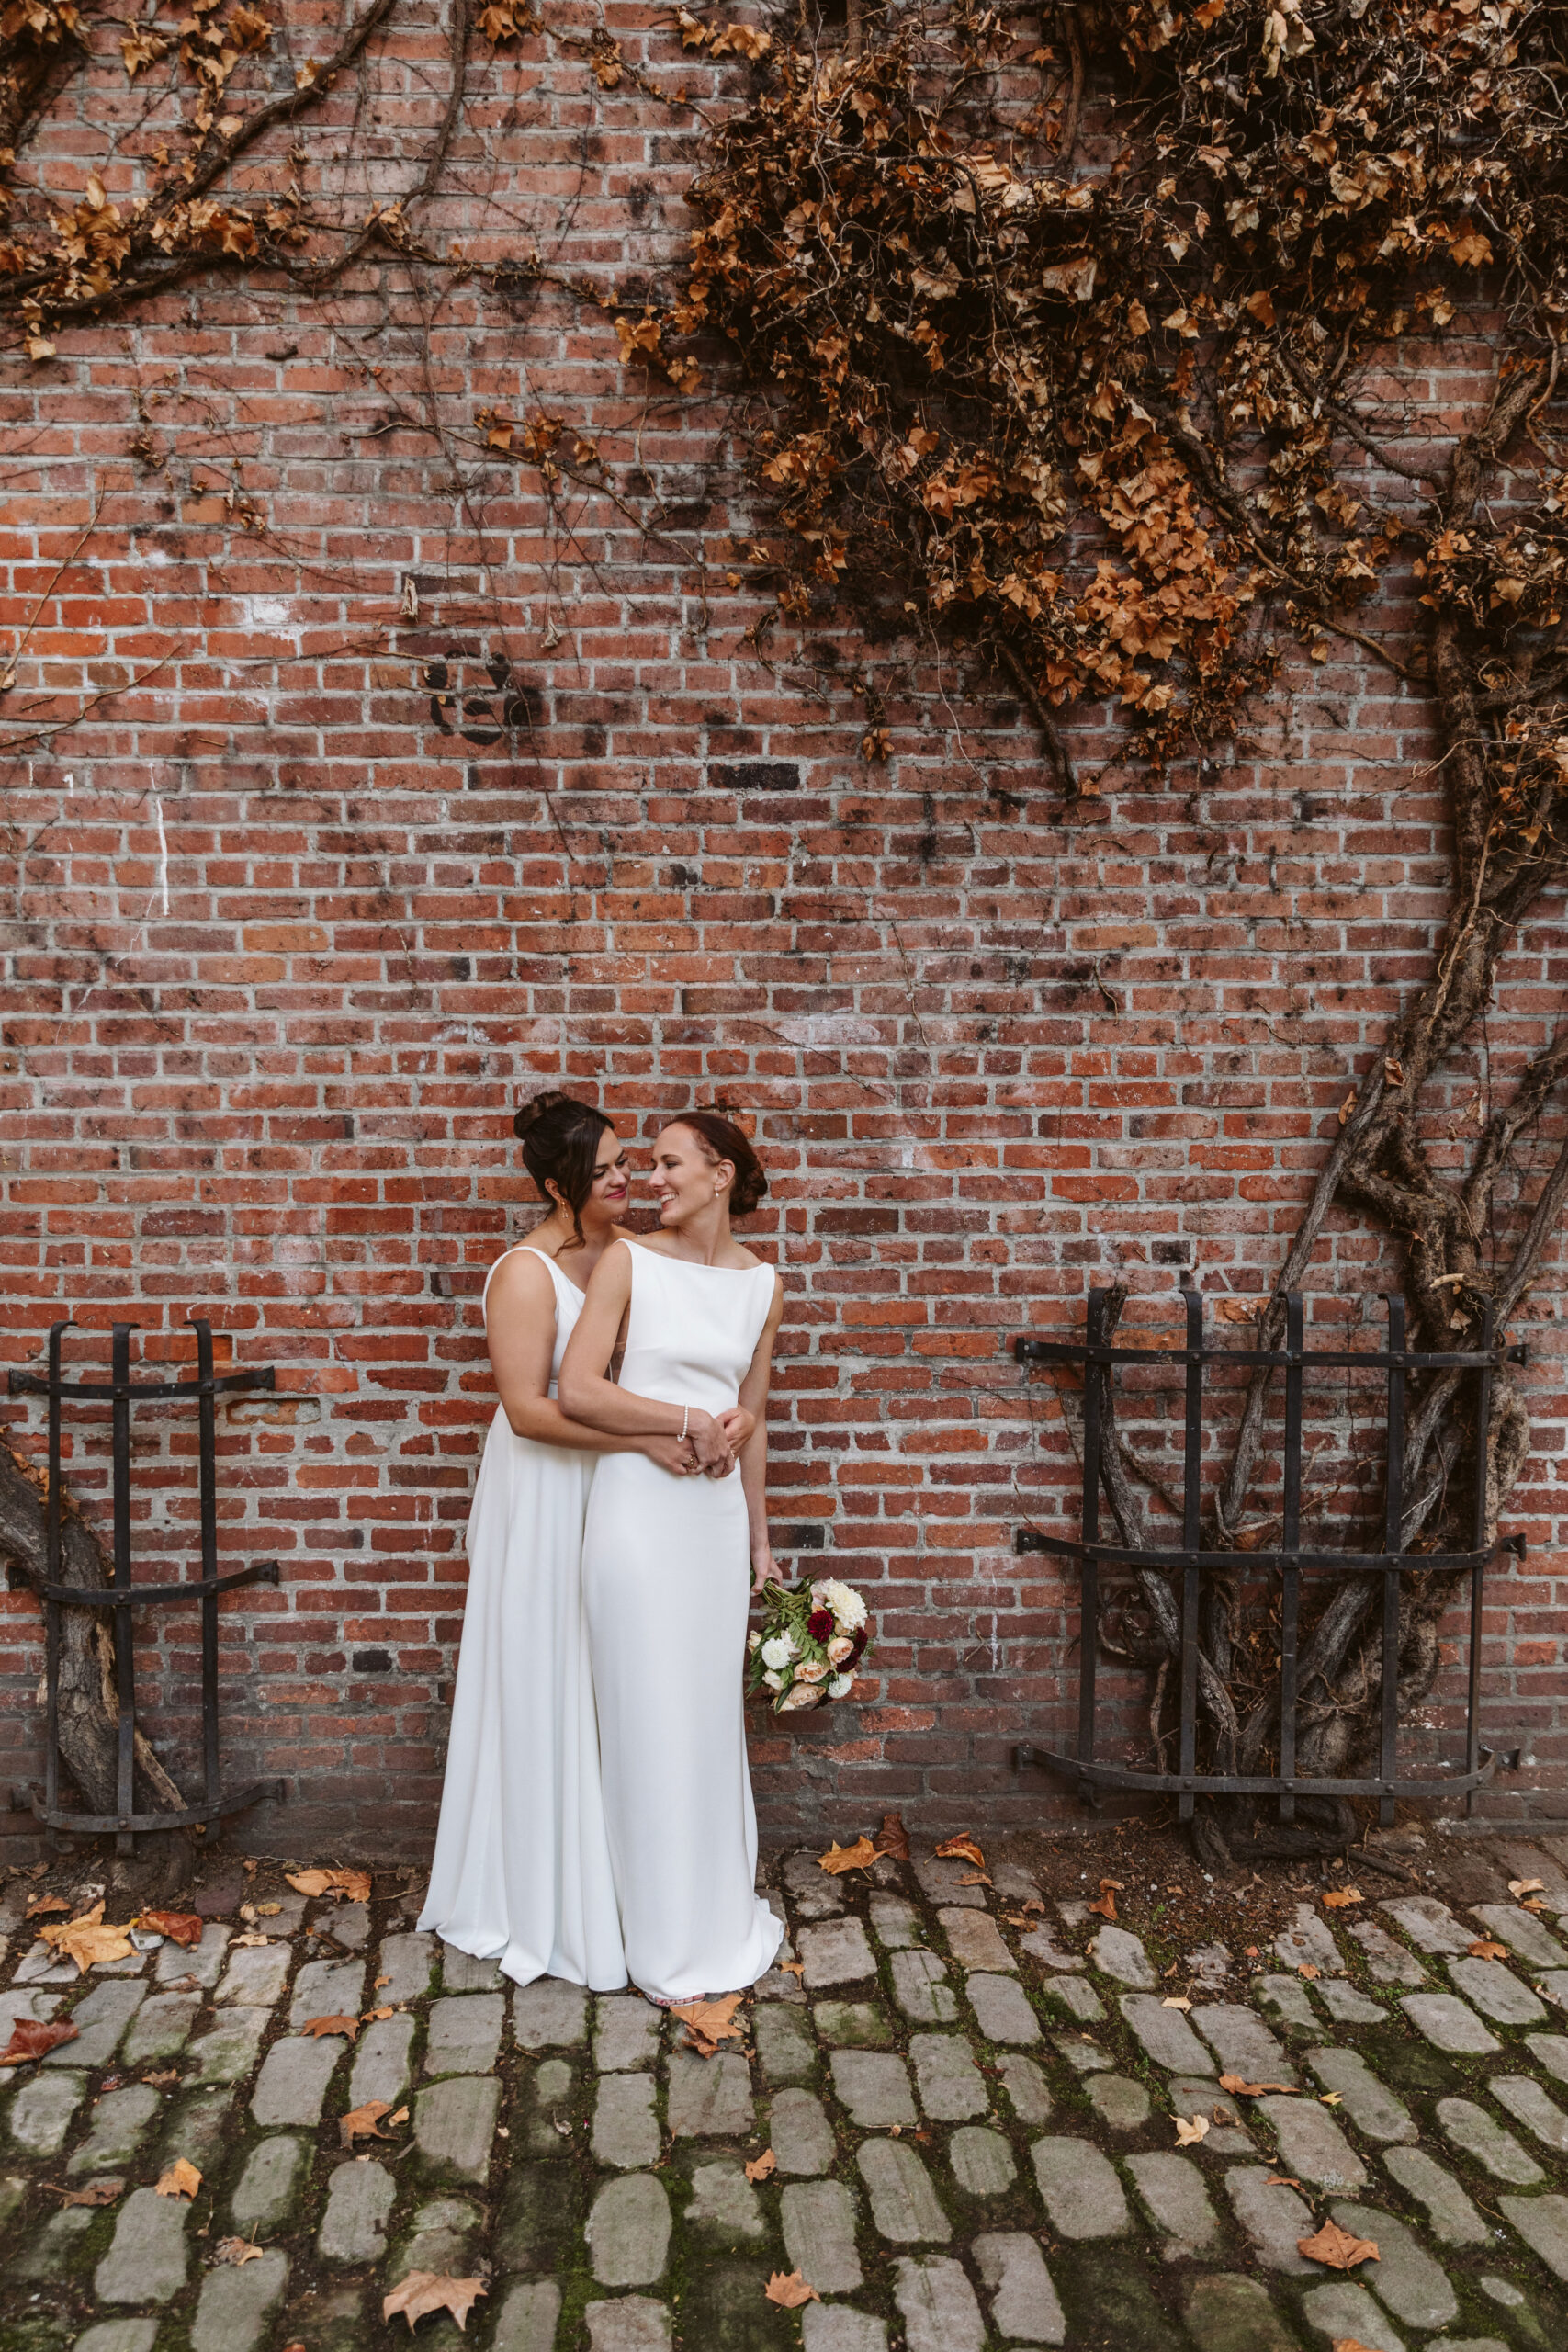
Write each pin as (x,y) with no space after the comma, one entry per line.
(443,784)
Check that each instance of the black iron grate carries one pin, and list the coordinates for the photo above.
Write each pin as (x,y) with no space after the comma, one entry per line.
(1096,1356)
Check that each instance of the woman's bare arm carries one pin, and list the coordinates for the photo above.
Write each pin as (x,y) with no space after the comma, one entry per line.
(754,1452)
(520,1332)
(589,1396)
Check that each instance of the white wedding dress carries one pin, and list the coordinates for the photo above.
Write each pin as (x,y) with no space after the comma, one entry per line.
(666,1574)
(521,1869)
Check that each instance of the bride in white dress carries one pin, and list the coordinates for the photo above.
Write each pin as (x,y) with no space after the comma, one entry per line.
(664,1563)
(522,1870)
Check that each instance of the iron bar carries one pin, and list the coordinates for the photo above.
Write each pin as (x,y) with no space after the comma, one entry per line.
(1290,1572)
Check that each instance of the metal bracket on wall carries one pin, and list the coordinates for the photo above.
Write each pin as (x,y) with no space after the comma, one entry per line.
(1095,1357)
(122,1395)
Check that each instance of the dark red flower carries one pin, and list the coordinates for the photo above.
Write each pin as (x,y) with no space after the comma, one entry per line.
(819,1625)
(861,1640)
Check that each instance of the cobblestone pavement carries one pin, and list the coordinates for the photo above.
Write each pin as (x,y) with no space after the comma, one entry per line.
(970,2095)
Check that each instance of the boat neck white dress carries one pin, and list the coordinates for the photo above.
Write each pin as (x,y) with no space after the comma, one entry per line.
(666,1577)
(521,1869)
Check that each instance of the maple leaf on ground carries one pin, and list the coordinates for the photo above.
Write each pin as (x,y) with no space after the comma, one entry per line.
(1311,1973)
(893,1837)
(40,1904)
(1484,1948)
(97,2192)
(962,1848)
(87,1941)
(31,2040)
(1239,2087)
(1519,1887)
(790,2291)
(708,2023)
(1340,1898)
(374,2016)
(182,1927)
(317,2027)
(182,2179)
(1190,2130)
(795,1968)
(838,1859)
(1109,1888)
(364,2121)
(1336,2248)
(1175,2001)
(433,2290)
(352,1885)
(760,2166)
(236,2251)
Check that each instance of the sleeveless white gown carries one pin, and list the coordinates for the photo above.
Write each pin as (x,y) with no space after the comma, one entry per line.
(666,1575)
(522,1868)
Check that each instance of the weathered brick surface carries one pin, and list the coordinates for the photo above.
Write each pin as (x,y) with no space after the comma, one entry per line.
(289,936)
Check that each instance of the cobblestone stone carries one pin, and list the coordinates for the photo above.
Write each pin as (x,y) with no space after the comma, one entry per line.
(1078,1998)
(146,2262)
(874,2088)
(292,2084)
(941,2313)
(1543,2223)
(1243,2043)
(786,2049)
(254,1976)
(628,2231)
(1227,2314)
(230,2050)
(100,2019)
(1287,1996)
(265,2189)
(799,2133)
(950,2084)
(441,2239)
(832,2327)
(921,1989)
(53,2248)
(1369,2104)
(836,1952)
(1311,2144)
(852,2024)
(633,2324)
(942,1882)
(1450,2216)
(120,2124)
(1025,2308)
(709,2098)
(982,2161)
(231,2311)
(1040,1944)
(1428,1923)
(1002,2010)
(1406,2280)
(904,2205)
(463,1972)
(1165,2035)
(724,2203)
(1121,2104)
(1274,2217)
(1495,1991)
(1193,2096)
(118,2335)
(818,2221)
(407,1964)
(975,1940)
(1081,2192)
(454,2123)
(360,2195)
(1307,1943)
(1388,1963)
(1551,2049)
(1120,1953)
(1172,2188)
(327,1988)
(1523,1934)
(380,2068)
(1346,2312)
(626,2130)
(626,2031)
(1345,2006)
(529,2316)
(1473,2133)
(549,2015)
(39,2114)
(1026,2088)
(1529,2105)
(161,2027)
(464,2034)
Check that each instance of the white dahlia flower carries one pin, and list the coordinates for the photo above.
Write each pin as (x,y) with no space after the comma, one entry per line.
(843,1600)
(779,1651)
(841,1685)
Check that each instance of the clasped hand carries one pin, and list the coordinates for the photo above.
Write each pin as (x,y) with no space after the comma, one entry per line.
(712,1443)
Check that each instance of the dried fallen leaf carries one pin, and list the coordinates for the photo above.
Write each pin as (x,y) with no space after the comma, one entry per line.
(353,1885)
(1336,2248)
(433,2290)
(1331,2098)
(1190,2129)
(1339,1898)
(1106,1902)
(41,1904)
(1521,1886)
(1239,2087)
(156,2082)
(760,2166)
(1484,1948)
(182,2179)
(363,2121)
(790,2291)
(1175,2001)
(1350,2343)
(795,1968)
(893,1837)
(708,2023)
(245,1943)
(961,1848)
(1310,1970)
(317,2027)
(976,1878)
(32,2041)
(237,2251)
(379,1982)
(374,2016)
(87,1941)
(182,1927)
(1281,2180)
(839,1859)
(97,2192)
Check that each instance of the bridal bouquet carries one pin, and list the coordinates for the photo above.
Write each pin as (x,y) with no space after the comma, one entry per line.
(813,1638)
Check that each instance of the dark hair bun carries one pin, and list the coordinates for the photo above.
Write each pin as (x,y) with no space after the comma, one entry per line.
(559,1136)
(722,1139)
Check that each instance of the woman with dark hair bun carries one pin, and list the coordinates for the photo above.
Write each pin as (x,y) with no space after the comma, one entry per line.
(522,1870)
(664,1565)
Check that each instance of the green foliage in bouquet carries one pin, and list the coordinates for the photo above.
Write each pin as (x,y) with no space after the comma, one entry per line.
(813,1637)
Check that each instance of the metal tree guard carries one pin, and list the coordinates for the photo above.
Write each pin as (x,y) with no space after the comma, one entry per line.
(122,1392)
(1291,1561)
